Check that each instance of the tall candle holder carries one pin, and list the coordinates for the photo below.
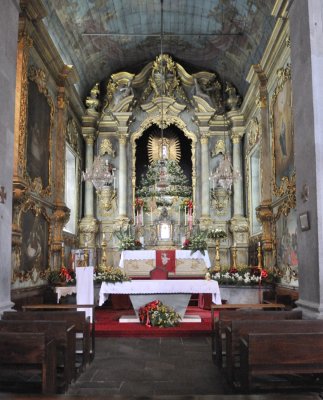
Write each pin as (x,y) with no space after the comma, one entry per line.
(103,264)
(217,266)
(62,256)
(259,254)
(234,257)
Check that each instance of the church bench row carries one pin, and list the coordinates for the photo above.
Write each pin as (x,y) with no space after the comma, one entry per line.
(242,328)
(226,315)
(76,318)
(29,352)
(68,307)
(284,355)
(61,332)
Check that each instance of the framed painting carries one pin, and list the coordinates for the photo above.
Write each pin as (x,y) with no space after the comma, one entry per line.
(40,116)
(282,130)
(286,245)
(34,251)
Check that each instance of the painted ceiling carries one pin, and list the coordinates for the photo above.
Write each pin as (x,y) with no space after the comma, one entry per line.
(102,37)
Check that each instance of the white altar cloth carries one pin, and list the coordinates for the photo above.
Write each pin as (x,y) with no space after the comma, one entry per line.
(62,291)
(85,288)
(151,255)
(168,286)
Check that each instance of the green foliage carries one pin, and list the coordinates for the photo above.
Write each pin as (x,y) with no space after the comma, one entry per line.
(198,242)
(156,313)
(127,242)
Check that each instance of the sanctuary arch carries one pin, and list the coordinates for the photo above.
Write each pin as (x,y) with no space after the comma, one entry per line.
(161,98)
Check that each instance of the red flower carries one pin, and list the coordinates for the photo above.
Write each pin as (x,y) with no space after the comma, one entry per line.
(233,270)
(264,274)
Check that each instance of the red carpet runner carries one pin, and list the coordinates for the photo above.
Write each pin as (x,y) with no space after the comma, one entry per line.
(107,325)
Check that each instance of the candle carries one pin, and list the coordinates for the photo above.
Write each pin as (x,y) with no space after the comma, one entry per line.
(259,244)
(179,215)
(103,236)
(185,216)
(151,215)
(235,244)
(134,216)
(114,182)
(142,216)
(62,245)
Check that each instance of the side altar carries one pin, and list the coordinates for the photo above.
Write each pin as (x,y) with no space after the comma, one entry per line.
(141,262)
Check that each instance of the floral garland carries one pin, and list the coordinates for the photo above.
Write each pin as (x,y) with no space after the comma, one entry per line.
(111,275)
(246,276)
(156,313)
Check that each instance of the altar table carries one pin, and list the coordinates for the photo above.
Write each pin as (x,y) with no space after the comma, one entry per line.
(175,293)
(141,262)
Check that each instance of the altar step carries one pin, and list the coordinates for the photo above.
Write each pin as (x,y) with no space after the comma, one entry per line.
(133,319)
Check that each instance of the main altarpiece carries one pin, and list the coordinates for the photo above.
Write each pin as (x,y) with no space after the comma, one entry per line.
(161,134)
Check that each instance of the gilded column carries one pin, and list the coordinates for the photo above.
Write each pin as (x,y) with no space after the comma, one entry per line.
(205,186)
(88,225)
(237,184)
(122,177)
(89,197)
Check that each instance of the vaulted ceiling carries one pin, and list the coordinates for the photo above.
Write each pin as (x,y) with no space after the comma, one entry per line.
(102,37)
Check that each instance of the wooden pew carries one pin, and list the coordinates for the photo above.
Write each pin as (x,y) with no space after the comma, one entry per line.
(72,307)
(25,350)
(64,336)
(226,316)
(241,328)
(284,354)
(76,318)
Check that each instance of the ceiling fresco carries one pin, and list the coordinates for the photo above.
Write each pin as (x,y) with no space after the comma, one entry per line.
(102,37)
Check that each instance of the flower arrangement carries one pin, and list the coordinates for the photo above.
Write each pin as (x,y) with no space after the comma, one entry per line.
(187,203)
(198,243)
(156,313)
(245,276)
(139,203)
(127,242)
(216,234)
(111,275)
(62,276)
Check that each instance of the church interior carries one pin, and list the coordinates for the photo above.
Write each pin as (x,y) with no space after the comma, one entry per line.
(136,128)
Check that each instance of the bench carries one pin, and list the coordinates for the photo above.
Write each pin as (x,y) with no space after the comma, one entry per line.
(76,318)
(282,354)
(226,316)
(64,336)
(26,350)
(66,307)
(238,329)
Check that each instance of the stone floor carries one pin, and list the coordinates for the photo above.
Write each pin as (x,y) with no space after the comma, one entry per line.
(144,367)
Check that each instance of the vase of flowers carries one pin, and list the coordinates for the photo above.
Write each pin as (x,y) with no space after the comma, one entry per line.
(198,243)
(127,242)
(156,313)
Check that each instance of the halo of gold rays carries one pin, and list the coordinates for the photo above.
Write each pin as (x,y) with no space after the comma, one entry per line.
(155,147)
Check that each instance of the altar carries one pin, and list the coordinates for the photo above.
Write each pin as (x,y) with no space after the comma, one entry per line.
(141,262)
(175,293)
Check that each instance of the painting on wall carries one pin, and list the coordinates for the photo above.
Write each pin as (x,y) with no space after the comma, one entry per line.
(282,124)
(38,137)
(34,252)
(286,247)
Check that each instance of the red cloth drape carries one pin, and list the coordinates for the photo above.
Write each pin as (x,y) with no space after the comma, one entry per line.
(166,259)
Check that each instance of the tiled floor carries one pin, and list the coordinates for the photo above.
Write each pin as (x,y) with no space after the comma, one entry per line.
(147,367)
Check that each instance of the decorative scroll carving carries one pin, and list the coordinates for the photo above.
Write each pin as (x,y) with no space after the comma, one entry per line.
(106,148)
